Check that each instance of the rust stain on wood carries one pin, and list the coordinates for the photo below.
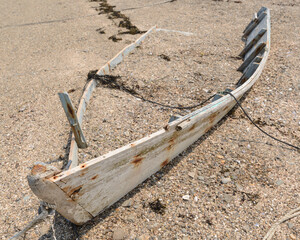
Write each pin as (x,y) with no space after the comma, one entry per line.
(38,169)
(164,163)
(207,129)
(83,165)
(137,160)
(71,111)
(213,116)
(93,178)
(193,127)
(75,190)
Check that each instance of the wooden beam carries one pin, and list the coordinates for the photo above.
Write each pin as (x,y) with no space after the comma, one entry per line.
(252,42)
(255,51)
(72,117)
(254,24)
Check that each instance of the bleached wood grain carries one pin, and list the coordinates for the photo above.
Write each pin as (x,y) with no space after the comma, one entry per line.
(97,184)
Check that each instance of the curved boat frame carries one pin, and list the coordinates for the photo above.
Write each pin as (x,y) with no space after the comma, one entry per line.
(79,193)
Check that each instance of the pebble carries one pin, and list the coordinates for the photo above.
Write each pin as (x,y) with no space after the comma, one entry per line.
(279,182)
(119,234)
(201,178)
(22,109)
(239,187)
(234,177)
(292,236)
(227,198)
(192,174)
(186,197)
(127,203)
(225,180)
(290,225)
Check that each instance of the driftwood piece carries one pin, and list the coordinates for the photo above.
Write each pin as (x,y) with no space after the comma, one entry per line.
(88,189)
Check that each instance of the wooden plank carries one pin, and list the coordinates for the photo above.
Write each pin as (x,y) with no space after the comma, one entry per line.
(255,50)
(99,183)
(50,193)
(248,73)
(106,179)
(72,117)
(262,25)
(263,9)
(254,24)
(252,42)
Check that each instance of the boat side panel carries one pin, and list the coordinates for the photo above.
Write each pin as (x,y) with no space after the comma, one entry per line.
(105,182)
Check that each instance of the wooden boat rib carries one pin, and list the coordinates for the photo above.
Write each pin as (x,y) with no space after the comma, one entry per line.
(82,192)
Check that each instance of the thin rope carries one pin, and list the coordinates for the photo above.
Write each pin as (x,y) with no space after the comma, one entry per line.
(247,115)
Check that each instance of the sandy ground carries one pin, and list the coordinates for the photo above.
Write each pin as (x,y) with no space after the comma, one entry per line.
(50,46)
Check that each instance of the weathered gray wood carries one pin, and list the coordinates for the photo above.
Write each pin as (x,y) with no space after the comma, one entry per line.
(252,42)
(263,9)
(253,53)
(254,24)
(248,73)
(262,25)
(72,117)
(97,184)
(41,183)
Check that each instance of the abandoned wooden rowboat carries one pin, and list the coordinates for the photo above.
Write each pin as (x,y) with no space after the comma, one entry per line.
(79,193)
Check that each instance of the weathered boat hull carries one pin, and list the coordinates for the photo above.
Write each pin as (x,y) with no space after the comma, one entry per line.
(83,191)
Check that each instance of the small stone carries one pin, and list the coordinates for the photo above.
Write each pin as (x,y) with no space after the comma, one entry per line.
(220,156)
(26,198)
(227,198)
(279,182)
(196,199)
(290,225)
(246,228)
(201,178)
(225,180)
(239,187)
(234,177)
(192,174)
(127,203)
(119,234)
(186,197)
(136,206)
(292,236)
(185,238)
(130,218)
(22,109)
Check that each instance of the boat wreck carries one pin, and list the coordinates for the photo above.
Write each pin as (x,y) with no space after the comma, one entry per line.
(81,192)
